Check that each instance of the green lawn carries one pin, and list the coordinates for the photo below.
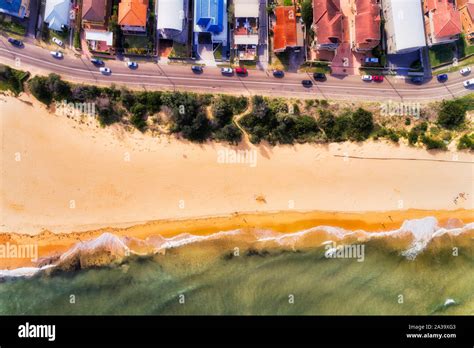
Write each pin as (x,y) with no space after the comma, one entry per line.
(440,54)
(136,44)
(11,27)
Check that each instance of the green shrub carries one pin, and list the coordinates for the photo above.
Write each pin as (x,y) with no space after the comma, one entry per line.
(452,114)
(466,142)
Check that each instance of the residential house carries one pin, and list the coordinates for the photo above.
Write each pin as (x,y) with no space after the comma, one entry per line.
(442,21)
(95,16)
(404,28)
(287,31)
(367,25)
(327,24)
(57,14)
(210,22)
(171,19)
(246,37)
(132,16)
(15,8)
(466,9)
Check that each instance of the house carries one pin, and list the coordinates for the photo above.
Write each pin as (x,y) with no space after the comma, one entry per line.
(95,15)
(15,8)
(466,10)
(210,22)
(171,19)
(287,31)
(367,25)
(442,21)
(57,14)
(327,24)
(404,28)
(246,37)
(132,15)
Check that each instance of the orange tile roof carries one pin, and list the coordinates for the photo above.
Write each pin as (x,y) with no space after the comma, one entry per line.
(327,19)
(284,31)
(133,12)
(446,19)
(367,22)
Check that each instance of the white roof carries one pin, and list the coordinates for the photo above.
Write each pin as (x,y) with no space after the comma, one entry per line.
(106,36)
(246,39)
(406,24)
(56,13)
(170,14)
(246,8)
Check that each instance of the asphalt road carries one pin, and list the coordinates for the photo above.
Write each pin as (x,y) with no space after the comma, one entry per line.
(154,76)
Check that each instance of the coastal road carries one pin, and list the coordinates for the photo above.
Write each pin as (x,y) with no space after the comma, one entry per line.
(153,76)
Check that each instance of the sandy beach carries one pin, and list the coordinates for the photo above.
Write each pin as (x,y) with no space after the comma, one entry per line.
(63,176)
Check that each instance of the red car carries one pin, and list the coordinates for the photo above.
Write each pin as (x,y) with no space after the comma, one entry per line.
(377,78)
(241,71)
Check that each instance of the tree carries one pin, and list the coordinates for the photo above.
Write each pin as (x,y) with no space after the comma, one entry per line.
(362,124)
(327,122)
(222,113)
(229,133)
(307,12)
(452,114)
(138,118)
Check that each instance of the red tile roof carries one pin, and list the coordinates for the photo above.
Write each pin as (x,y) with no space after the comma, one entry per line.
(327,20)
(133,12)
(446,19)
(367,23)
(284,31)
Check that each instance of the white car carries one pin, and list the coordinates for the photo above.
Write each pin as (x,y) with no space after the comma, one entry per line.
(465,71)
(227,71)
(105,71)
(132,65)
(366,78)
(57,41)
(56,54)
(469,83)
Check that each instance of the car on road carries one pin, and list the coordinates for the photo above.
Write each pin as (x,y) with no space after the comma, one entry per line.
(241,71)
(227,71)
(307,83)
(366,78)
(56,54)
(417,80)
(465,71)
(319,76)
(377,78)
(15,42)
(369,60)
(57,41)
(97,62)
(132,65)
(197,69)
(105,71)
(469,83)
(278,73)
(442,77)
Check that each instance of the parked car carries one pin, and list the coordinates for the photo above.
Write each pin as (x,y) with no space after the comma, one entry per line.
(417,79)
(377,78)
(57,41)
(442,77)
(227,71)
(105,71)
(15,42)
(366,78)
(56,54)
(197,69)
(469,83)
(307,83)
(371,60)
(97,62)
(241,71)
(278,73)
(465,71)
(319,76)
(132,65)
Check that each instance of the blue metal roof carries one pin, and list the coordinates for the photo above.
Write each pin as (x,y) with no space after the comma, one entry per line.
(210,15)
(12,7)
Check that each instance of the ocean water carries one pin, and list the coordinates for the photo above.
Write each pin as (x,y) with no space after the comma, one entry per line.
(268,275)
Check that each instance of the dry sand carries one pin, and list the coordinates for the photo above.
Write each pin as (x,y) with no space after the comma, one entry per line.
(76,177)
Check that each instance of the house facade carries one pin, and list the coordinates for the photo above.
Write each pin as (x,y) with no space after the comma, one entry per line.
(15,8)
(95,19)
(367,25)
(210,22)
(287,31)
(327,24)
(442,21)
(466,10)
(133,15)
(246,25)
(57,14)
